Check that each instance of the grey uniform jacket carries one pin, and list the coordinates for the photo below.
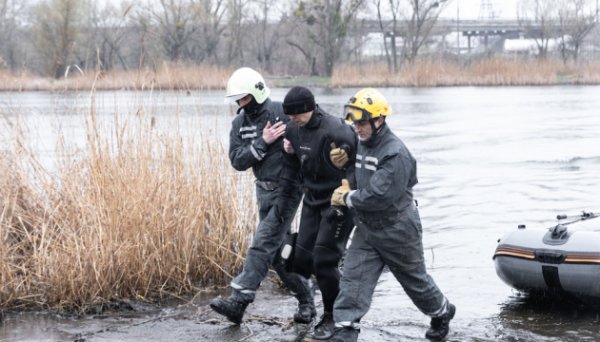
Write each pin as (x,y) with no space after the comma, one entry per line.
(384,175)
(247,147)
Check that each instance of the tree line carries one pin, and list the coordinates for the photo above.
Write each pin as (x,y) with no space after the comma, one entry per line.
(59,37)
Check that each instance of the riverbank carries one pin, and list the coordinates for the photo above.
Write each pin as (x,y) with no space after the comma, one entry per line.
(269,318)
(495,71)
(134,212)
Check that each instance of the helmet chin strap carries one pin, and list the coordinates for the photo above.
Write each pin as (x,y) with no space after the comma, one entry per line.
(374,129)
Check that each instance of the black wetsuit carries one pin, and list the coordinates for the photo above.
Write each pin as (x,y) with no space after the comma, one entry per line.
(320,244)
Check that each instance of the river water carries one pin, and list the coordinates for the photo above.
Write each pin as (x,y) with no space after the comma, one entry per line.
(489,159)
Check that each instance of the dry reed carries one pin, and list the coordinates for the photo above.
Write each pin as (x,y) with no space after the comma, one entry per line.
(483,72)
(136,214)
(494,71)
(164,76)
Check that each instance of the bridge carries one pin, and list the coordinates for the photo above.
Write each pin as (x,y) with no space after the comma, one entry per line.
(503,28)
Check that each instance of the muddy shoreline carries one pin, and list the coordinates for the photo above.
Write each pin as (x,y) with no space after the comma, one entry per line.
(269,318)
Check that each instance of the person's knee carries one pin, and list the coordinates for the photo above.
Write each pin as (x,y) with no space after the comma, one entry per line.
(303,262)
(325,259)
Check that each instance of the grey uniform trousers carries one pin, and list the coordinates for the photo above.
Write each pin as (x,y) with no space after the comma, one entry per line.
(400,247)
(265,250)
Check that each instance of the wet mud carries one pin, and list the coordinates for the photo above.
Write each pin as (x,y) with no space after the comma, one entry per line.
(269,318)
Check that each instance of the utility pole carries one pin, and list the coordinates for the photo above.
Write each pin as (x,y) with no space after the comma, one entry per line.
(458,27)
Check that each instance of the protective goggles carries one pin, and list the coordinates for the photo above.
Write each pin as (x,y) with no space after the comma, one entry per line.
(355,114)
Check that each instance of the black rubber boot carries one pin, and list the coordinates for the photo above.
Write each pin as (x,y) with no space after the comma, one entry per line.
(305,313)
(306,303)
(345,334)
(440,326)
(232,308)
(325,328)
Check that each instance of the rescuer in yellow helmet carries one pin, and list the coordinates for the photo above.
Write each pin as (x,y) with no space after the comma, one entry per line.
(388,226)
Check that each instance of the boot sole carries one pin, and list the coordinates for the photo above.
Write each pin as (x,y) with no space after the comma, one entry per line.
(317,339)
(224,313)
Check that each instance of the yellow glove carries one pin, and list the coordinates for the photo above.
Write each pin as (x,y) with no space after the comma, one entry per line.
(337,198)
(338,156)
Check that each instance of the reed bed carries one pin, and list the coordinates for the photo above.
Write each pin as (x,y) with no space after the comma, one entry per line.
(136,214)
(483,72)
(425,72)
(164,76)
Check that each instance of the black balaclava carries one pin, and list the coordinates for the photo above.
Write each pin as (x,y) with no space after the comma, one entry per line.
(251,109)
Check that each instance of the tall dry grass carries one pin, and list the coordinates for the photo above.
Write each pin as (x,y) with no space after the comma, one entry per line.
(483,72)
(494,71)
(164,76)
(136,214)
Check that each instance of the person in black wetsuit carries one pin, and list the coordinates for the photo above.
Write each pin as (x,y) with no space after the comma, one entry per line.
(319,148)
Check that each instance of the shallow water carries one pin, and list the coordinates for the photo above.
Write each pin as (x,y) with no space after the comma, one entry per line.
(489,159)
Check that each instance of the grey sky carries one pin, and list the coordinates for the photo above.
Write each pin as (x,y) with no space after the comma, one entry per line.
(470,9)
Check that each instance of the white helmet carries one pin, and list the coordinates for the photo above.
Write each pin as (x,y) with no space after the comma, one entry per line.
(246,81)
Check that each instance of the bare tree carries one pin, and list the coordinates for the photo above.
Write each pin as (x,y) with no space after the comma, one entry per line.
(538,18)
(237,37)
(11,17)
(389,32)
(576,19)
(176,24)
(55,26)
(210,15)
(423,16)
(268,23)
(108,26)
(328,22)
(300,40)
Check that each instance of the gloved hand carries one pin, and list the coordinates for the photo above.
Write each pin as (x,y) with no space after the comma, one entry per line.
(338,156)
(339,194)
(336,215)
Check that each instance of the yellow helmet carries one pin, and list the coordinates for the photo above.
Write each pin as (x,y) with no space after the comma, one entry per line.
(366,104)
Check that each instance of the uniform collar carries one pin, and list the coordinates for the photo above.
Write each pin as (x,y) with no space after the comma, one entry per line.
(259,111)
(315,119)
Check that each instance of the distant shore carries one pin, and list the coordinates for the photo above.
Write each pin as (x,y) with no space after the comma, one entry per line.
(422,73)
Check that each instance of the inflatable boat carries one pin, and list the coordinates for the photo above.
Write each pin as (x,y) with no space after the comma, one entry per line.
(558,259)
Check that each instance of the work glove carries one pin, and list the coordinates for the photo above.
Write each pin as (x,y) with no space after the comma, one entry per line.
(339,194)
(338,156)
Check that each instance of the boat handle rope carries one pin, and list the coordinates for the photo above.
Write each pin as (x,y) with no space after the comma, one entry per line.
(585,215)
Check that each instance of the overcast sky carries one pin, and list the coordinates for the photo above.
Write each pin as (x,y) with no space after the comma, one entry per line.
(470,9)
